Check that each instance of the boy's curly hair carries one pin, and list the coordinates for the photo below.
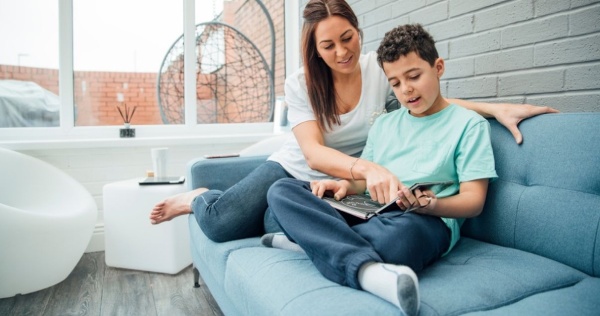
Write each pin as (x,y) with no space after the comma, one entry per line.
(405,39)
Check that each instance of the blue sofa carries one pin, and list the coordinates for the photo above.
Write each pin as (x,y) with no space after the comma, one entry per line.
(534,250)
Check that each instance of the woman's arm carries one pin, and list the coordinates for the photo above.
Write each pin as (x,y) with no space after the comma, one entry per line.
(382,184)
(508,114)
(318,156)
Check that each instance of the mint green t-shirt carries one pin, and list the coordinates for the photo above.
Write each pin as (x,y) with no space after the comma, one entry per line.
(451,145)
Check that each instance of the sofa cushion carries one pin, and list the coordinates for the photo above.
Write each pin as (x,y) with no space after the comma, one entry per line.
(548,187)
(488,277)
(579,299)
(514,213)
(283,282)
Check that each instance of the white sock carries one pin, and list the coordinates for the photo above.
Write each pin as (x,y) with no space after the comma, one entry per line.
(394,283)
(279,240)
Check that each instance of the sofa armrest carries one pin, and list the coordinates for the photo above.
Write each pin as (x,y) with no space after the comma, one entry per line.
(266,146)
(220,173)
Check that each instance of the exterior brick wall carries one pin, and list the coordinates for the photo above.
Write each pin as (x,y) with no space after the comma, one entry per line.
(97,93)
(520,51)
(47,78)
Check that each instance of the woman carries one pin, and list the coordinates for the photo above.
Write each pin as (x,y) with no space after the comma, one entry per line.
(333,100)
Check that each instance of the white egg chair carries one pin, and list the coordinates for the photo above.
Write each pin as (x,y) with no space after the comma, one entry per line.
(46,222)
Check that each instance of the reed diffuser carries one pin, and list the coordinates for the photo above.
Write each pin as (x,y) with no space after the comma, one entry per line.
(126,115)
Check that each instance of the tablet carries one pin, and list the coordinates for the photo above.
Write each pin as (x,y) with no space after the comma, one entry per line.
(163,180)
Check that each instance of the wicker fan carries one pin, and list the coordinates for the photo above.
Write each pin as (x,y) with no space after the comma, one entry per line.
(233,80)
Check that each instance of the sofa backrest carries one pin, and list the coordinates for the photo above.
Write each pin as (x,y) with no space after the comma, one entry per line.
(547,197)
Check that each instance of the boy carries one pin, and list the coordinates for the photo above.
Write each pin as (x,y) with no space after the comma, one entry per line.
(427,139)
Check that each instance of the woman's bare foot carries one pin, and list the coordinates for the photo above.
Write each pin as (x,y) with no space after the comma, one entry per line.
(174,206)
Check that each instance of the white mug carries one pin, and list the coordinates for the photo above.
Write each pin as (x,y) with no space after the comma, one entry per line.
(159,161)
(280,122)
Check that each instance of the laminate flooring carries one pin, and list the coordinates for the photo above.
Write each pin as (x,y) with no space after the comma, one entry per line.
(95,289)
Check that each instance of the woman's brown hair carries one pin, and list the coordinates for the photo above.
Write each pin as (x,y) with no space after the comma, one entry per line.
(319,79)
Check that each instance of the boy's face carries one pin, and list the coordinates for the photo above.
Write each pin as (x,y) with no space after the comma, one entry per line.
(416,84)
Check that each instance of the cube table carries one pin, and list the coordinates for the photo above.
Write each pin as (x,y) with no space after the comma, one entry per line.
(131,241)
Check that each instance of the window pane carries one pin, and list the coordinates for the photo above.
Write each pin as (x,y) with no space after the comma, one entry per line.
(210,59)
(235,61)
(118,50)
(29,63)
(251,20)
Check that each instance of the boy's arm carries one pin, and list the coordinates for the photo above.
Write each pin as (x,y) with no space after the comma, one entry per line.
(467,203)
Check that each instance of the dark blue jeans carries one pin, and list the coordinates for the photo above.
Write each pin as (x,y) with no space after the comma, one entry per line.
(240,211)
(339,246)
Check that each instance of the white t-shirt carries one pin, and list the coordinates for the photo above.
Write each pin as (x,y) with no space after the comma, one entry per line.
(351,135)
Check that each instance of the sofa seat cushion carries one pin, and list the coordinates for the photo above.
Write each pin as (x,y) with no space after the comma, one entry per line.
(489,277)
(579,299)
(283,282)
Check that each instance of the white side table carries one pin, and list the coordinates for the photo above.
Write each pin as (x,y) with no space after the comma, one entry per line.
(131,242)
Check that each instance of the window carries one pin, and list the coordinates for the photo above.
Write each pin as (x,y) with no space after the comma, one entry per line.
(117,49)
(109,53)
(29,64)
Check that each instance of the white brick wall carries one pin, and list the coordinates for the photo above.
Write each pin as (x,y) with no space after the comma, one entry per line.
(525,51)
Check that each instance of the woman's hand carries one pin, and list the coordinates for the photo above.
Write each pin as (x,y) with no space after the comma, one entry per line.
(510,115)
(381,183)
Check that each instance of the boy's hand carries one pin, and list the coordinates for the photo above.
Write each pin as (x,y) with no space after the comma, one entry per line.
(338,188)
(409,201)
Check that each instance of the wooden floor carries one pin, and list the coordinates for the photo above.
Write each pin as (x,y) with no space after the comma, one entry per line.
(95,289)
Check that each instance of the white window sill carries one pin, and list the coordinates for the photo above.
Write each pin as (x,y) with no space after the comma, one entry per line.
(107,137)
(133,142)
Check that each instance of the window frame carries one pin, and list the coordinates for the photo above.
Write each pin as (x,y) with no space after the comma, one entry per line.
(77,136)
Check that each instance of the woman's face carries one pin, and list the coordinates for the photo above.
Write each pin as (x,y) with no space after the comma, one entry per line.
(338,44)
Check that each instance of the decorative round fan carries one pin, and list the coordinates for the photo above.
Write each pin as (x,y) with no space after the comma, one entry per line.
(233,80)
